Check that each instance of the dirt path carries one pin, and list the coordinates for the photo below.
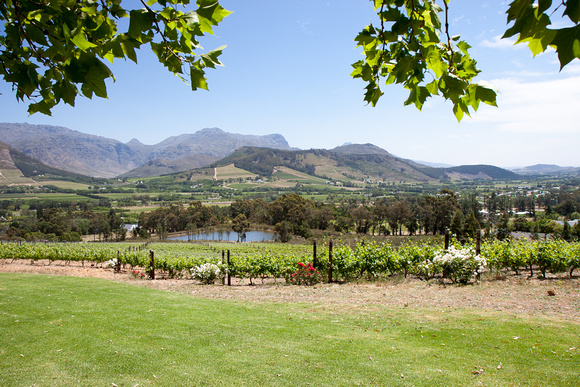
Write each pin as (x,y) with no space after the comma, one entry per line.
(512,294)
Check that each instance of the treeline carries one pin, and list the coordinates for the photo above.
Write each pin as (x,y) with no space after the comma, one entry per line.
(60,221)
(294,215)
(291,214)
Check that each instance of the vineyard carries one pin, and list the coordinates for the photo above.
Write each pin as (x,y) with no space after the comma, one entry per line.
(367,260)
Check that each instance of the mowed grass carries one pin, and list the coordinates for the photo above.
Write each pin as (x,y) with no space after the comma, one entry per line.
(57,331)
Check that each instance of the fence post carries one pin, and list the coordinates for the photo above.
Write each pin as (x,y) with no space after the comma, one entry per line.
(229,277)
(446,239)
(330,261)
(478,243)
(223,262)
(152,265)
(314,261)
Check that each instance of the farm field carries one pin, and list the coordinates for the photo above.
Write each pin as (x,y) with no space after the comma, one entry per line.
(14,176)
(59,330)
(66,184)
(231,172)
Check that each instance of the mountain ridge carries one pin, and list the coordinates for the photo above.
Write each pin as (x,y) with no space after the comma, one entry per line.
(98,156)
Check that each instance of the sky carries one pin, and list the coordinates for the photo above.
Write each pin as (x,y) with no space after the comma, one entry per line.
(287,70)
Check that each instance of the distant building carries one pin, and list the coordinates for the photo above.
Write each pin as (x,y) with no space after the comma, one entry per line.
(131,227)
(571,223)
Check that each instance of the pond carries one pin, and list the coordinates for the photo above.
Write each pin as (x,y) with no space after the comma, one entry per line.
(228,236)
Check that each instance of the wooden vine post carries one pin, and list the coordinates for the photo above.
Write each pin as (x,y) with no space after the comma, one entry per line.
(330,261)
(223,263)
(446,239)
(314,262)
(478,243)
(117,264)
(152,265)
(229,263)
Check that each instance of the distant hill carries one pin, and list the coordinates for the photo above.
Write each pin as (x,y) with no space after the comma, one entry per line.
(479,172)
(357,162)
(359,149)
(547,169)
(18,168)
(159,167)
(103,157)
(377,166)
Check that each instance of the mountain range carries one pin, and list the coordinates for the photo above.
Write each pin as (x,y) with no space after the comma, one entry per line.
(96,156)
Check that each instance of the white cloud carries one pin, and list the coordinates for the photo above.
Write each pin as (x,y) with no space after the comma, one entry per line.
(572,68)
(498,42)
(304,25)
(549,107)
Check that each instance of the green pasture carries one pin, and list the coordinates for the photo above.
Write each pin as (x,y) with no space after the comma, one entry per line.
(61,331)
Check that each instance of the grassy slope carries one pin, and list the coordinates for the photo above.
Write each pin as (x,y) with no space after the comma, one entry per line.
(82,331)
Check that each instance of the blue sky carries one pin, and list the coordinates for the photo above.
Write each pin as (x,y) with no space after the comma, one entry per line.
(287,70)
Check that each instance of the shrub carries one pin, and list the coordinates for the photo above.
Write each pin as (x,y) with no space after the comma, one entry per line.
(305,275)
(206,273)
(459,265)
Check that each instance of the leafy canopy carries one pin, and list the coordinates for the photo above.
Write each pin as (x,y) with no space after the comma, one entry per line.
(413,47)
(54,50)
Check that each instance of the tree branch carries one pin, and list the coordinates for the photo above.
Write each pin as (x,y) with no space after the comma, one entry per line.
(158,28)
(449,45)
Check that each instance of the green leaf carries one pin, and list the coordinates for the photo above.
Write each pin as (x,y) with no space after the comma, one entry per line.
(486,95)
(540,43)
(168,13)
(458,109)
(66,91)
(211,58)
(210,13)
(418,96)
(81,42)
(464,47)
(140,21)
(573,10)
(40,107)
(373,93)
(198,80)
(433,87)
(567,44)
(434,61)
(128,48)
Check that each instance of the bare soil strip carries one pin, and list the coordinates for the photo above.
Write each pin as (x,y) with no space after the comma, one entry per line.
(557,297)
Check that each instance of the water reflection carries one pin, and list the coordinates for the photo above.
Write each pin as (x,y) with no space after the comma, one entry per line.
(228,236)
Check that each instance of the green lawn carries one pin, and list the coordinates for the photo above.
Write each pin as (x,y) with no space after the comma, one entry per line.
(57,331)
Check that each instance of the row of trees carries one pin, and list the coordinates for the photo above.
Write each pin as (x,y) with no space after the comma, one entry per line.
(58,224)
(292,214)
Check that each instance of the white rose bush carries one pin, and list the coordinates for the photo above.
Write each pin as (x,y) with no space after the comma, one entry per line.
(460,265)
(208,272)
